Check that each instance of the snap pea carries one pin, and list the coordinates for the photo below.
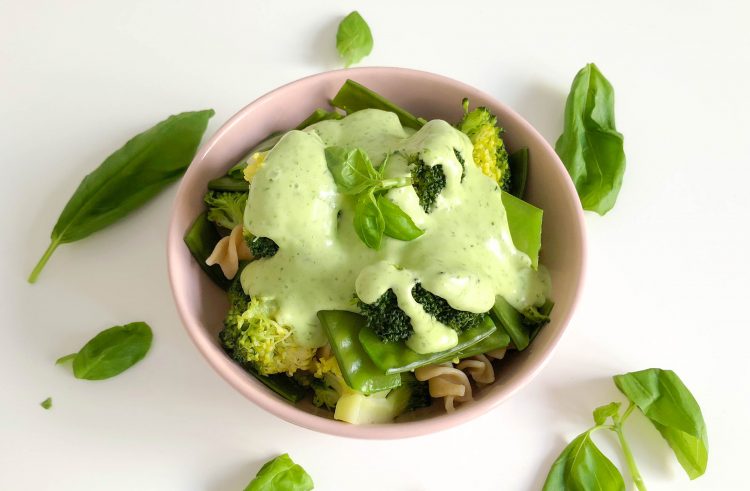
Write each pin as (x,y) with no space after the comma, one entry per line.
(521,328)
(519,171)
(354,97)
(201,239)
(525,225)
(397,357)
(359,372)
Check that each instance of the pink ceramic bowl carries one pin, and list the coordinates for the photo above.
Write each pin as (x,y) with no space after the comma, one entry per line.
(202,305)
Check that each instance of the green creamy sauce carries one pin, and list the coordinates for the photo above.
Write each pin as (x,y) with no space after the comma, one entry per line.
(465,255)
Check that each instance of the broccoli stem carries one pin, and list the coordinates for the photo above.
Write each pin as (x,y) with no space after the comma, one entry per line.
(43,261)
(397,182)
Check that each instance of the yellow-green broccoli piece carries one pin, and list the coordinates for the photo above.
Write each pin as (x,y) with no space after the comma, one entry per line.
(490,155)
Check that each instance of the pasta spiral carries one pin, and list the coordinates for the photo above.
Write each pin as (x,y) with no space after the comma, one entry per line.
(480,369)
(447,382)
(229,251)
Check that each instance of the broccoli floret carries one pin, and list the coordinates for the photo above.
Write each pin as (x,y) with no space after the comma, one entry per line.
(490,155)
(238,303)
(386,319)
(263,247)
(439,308)
(225,208)
(252,336)
(428,182)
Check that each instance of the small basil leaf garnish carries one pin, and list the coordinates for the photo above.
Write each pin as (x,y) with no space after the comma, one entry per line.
(398,224)
(111,352)
(353,39)
(281,473)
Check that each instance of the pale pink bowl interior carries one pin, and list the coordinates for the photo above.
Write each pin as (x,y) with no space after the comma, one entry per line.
(202,305)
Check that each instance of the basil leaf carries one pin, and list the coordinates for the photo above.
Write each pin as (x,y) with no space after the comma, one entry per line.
(398,224)
(112,351)
(602,413)
(590,146)
(368,221)
(352,170)
(281,474)
(128,178)
(582,466)
(47,403)
(672,409)
(353,39)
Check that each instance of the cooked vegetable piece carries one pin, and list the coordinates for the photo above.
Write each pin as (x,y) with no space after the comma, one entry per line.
(440,309)
(353,97)
(386,319)
(128,178)
(489,154)
(397,357)
(519,171)
(228,183)
(525,223)
(428,182)
(521,327)
(359,372)
(225,209)
(201,239)
(263,247)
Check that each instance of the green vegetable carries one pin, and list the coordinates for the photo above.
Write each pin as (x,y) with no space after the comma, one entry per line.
(201,238)
(374,214)
(670,406)
(353,97)
(525,224)
(263,247)
(440,309)
(489,153)
(590,146)
(383,407)
(317,116)
(582,466)
(428,182)
(672,409)
(229,183)
(386,319)
(226,209)
(396,357)
(353,39)
(47,403)
(281,474)
(521,327)
(111,352)
(342,329)
(519,171)
(128,178)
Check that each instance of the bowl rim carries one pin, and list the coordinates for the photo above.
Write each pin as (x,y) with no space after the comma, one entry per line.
(264,397)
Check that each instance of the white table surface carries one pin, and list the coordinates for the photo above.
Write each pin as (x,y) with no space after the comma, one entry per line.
(667,284)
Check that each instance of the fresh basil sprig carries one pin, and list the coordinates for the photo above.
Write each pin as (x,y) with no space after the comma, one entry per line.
(353,39)
(666,402)
(111,352)
(590,146)
(374,214)
(128,178)
(281,473)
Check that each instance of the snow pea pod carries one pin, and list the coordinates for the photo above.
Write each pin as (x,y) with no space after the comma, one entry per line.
(342,329)
(395,358)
